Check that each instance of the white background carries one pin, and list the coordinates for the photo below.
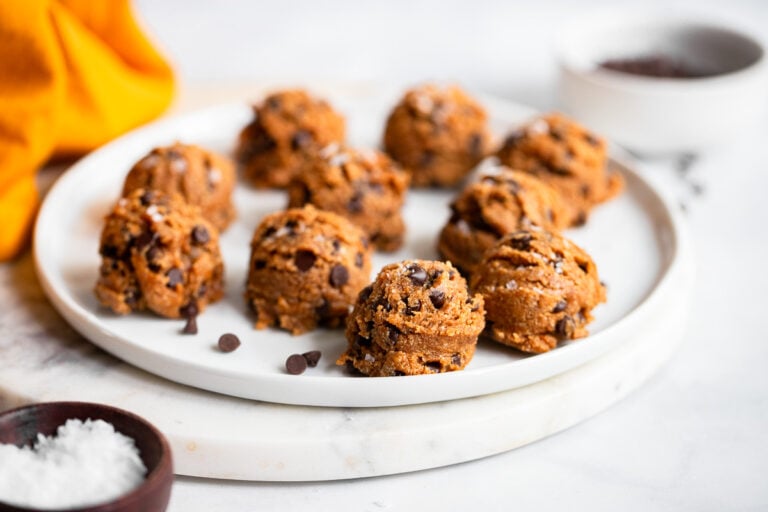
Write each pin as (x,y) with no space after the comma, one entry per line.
(695,437)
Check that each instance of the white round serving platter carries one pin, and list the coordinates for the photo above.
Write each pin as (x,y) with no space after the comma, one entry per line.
(634,239)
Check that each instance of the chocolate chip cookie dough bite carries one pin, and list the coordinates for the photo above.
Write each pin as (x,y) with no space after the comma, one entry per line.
(417,317)
(158,254)
(539,289)
(438,134)
(199,176)
(306,268)
(365,186)
(566,156)
(499,202)
(288,126)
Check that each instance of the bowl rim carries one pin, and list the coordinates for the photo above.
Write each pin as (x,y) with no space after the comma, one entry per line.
(155,477)
(614,18)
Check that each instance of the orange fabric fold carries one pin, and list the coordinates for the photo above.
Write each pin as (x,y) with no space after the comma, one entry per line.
(73,75)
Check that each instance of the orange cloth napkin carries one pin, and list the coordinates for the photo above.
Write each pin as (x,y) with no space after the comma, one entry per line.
(73,75)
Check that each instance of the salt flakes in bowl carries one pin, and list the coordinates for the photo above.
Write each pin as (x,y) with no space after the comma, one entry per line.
(85,463)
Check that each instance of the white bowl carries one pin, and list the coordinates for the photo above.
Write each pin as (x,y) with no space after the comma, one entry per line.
(663,115)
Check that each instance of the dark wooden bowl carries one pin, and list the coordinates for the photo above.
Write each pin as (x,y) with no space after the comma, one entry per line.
(20,427)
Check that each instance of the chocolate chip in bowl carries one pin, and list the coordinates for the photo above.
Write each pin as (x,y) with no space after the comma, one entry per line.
(662,84)
(102,443)
(658,65)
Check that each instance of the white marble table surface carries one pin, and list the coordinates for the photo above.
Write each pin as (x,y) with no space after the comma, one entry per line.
(695,437)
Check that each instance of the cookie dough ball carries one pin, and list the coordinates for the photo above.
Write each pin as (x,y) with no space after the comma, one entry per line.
(497,204)
(201,177)
(438,134)
(366,187)
(158,254)
(539,289)
(566,156)
(417,317)
(288,127)
(306,269)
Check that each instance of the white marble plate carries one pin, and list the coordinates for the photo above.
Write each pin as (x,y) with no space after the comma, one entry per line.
(634,240)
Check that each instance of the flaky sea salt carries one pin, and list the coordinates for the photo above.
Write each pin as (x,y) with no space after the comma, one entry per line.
(85,463)
(154,213)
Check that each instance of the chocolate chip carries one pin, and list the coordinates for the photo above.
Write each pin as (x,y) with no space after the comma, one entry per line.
(144,239)
(174,154)
(189,310)
(412,309)
(109,251)
(384,304)
(417,274)
(312,357)
(147,198)
(259,264)
(175,277)
(200,235)
(359,260)
(301,139)
(228,342)
(565,327)
(274,102)
(393,333)
(269,231)
(521,242)
(365,293)
(475,145)
(132,297)
(291,225)
(295,364)
(362,341)
(339,276)
(433,365)
(560,306)
(580,219)
(323,311)
(191,326)
(355,203)
(456,359)
(304,260)
(437,297)
(336,245)
(153,254)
